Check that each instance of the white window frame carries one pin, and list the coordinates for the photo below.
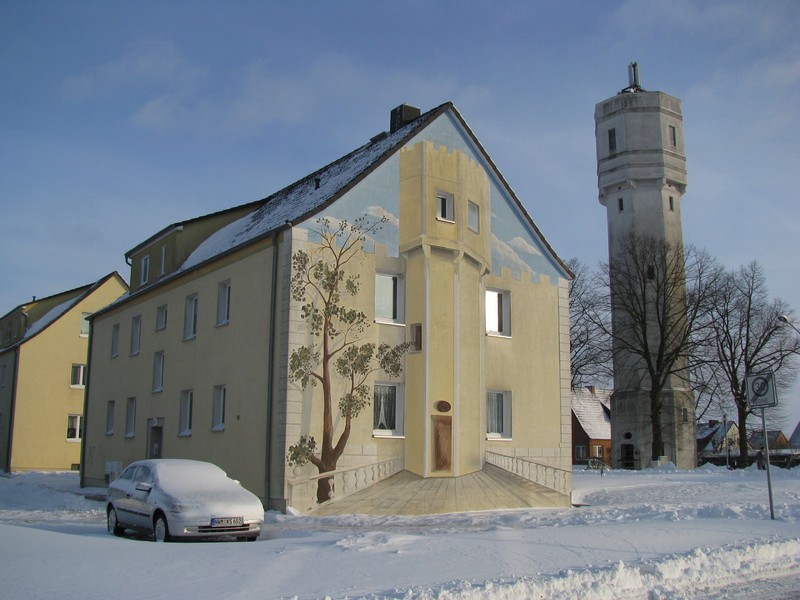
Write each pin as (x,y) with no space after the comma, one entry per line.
(498,312)
(136,335)
(445,207)
(224,303)
(473,216)
(597,451)
(398,284)
(399,410)
(505,428)
(163,269)
(185,415)
(190,317)
(218,403)
(81,379)
(78,431)
(130,417)
(115,340)
(144,270)
(110,410)
(416,340)
(158,372)
(161,317)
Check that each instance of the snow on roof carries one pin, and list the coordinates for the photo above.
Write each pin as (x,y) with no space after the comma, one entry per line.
(50,316)
(591,407)
(305,196)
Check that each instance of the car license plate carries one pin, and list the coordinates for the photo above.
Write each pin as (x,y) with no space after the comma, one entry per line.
(227,522)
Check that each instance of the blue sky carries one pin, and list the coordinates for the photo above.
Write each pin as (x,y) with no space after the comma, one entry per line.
(119,118)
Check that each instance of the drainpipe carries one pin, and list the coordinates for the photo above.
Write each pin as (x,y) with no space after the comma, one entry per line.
(271,369)
(7,466)
(86,403)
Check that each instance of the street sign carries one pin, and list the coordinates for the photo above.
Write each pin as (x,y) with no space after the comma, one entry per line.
(761,390)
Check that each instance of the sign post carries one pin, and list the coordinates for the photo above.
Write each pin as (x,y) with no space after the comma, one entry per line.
(761,394)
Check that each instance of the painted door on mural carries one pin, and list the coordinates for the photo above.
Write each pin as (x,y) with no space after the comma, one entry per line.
(442,443)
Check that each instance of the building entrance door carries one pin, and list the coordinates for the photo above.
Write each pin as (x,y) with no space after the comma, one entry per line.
(628,460)
(442,443)
(155,438)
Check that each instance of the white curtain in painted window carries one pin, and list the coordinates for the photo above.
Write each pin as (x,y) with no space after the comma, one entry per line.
(385,407)
(495,405)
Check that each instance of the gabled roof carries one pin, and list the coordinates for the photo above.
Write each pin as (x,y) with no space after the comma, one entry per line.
(794,441)
(591,407)
(710,435)
(71,299)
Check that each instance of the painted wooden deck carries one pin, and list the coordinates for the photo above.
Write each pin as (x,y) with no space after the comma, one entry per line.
(407,494)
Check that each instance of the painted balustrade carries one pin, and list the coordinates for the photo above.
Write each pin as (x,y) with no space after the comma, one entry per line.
(548,476)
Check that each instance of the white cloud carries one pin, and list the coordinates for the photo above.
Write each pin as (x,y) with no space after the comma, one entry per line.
(521,244)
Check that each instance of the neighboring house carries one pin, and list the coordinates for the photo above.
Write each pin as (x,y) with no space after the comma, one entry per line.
(720,438)
(43,359)
(194,363)
(794,440)
(776,438)
(591,425)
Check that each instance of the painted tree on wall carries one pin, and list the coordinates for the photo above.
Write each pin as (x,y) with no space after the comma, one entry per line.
(323,280)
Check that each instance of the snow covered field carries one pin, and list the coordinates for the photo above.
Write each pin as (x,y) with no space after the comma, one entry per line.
(654,534)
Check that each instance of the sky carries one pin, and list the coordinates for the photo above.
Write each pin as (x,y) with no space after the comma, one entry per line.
(660,533)
(120,118)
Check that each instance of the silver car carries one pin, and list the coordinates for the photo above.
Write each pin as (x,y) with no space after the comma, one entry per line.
(182,499)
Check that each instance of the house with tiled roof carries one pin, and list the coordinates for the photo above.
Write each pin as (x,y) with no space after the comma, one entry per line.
(591,425)
(43,359)
(194,363)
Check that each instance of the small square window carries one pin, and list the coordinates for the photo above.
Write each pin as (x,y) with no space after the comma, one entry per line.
(597,451)
(78,376)
(445,207)
(74,428)
(498,424)
(473,216)
(580,452)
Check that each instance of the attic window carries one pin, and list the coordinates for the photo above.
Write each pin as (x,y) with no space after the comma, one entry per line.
(445,210)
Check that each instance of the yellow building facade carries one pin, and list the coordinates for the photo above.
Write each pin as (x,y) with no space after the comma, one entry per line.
(194,364)
(43,371)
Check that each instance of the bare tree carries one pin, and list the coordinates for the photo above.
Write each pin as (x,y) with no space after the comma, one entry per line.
(323,280)
(590,346)
(747,338)
(658,295)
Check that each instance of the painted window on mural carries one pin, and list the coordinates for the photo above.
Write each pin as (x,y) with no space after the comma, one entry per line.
(389,298)
(498,312)
(498,424)
(387,409)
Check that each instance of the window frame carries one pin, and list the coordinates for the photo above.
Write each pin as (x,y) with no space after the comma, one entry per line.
(130,417)
(158,372)
(473,209)
(82,374)
(115,340)
(416,338)
(186,409)
(501,299)
(144,270)
(111,407)
(399,410)
(507,408)
(136,335)
(445,207)
(162,313)
(78,431)
(190,309)
(218,401)
(398,298)
(224,303)
(85,325)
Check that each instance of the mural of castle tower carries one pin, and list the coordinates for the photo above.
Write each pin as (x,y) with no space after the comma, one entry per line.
(641,171)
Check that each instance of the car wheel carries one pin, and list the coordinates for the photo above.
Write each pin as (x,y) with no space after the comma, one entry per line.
(161,529)
(113,523)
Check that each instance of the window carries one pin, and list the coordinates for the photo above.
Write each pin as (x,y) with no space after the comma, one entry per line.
(685,415)
(597,451)
(158,371)
(498,312)
(218,408)
(223,303)
(498,424)
(144,272)
(673,136)
(445,209)
(136,335)
(671,204)
(163,269)
(115,340)
(612,140)
(74,428)
(110,407)
(416,337)
(130,418)
(78,377)
(85,324)
(389,298)
(185,417)
(161,317)
(473,217)
(580,452)
(190,318)
(387,418)
(620,204)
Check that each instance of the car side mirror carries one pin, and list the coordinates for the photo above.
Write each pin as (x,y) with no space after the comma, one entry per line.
(143,486)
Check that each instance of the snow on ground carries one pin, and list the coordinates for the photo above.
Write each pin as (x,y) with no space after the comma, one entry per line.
(655,534)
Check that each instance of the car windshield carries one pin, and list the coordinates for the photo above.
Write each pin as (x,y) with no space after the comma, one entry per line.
(188,477)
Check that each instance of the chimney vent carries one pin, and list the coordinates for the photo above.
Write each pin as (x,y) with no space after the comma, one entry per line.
(402,115)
